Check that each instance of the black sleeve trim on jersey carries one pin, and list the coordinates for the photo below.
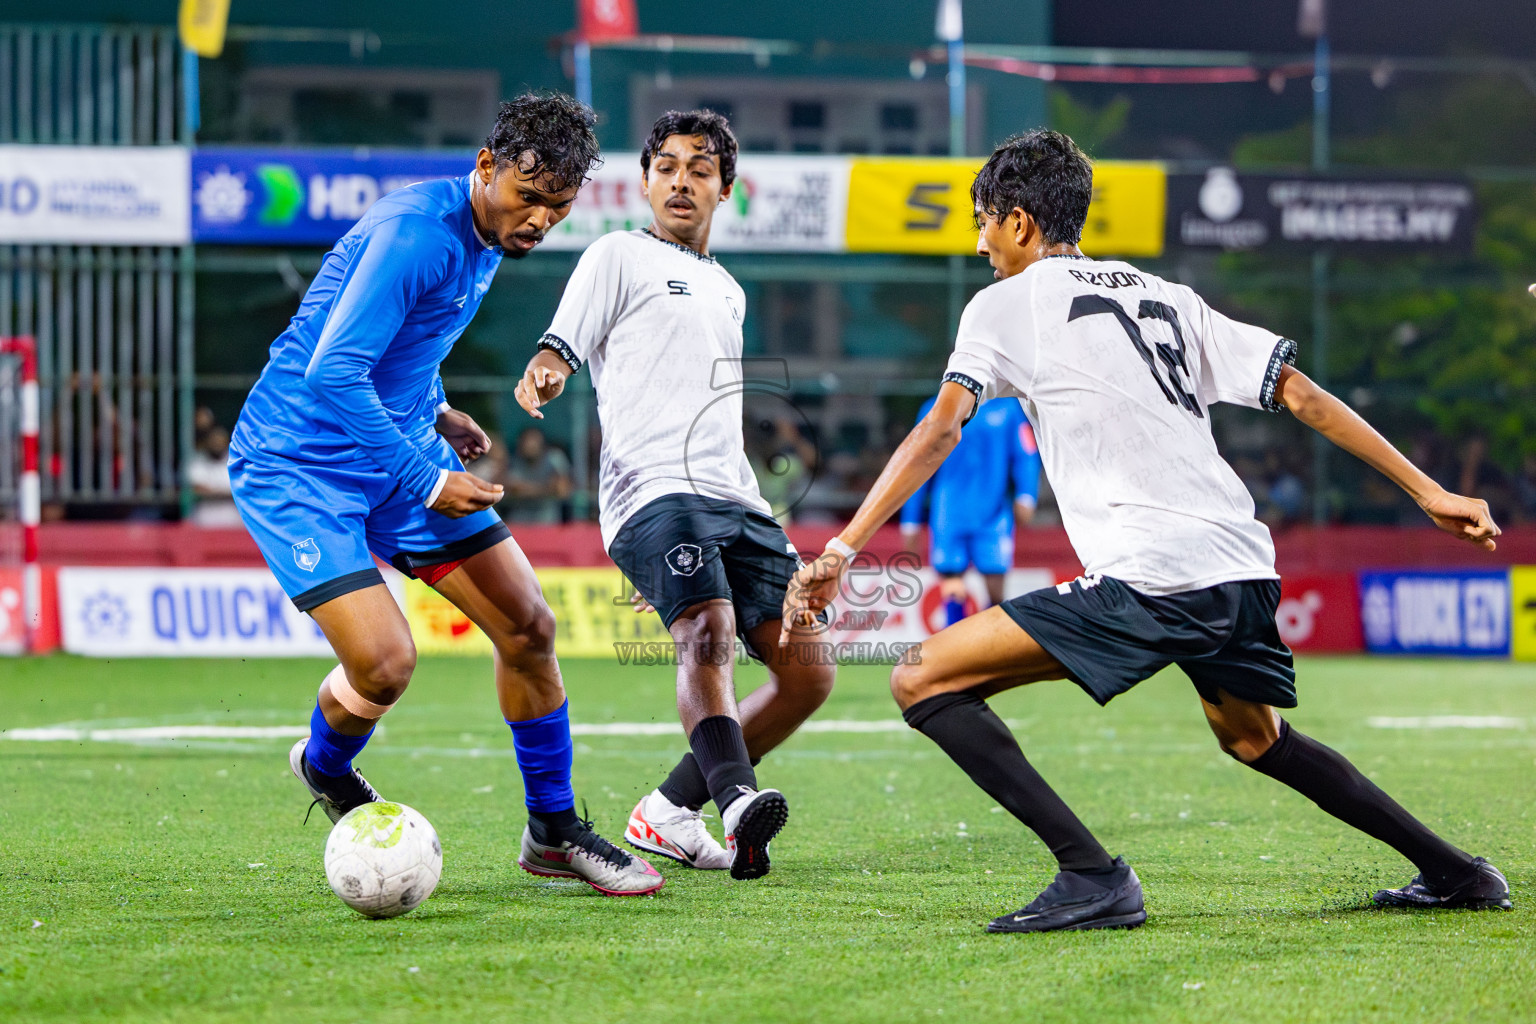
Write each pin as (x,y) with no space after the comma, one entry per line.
(557,345)
(973,386)
(1284,355)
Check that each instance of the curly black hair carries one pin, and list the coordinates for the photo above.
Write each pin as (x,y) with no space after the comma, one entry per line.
(719,140)
(1042,173)
(552,130)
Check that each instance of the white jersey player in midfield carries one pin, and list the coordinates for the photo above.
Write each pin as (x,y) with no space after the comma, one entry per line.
(1117,370)
(658,321)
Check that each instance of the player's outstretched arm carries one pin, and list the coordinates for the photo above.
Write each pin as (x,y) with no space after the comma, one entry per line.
(915,460)
(543,380)
(1467,518)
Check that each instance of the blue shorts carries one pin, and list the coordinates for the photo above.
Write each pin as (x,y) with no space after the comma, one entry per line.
(319,525)
(989,549)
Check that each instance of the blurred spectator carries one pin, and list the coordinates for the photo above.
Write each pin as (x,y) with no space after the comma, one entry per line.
(537,478)
(1525,490)
(208,476)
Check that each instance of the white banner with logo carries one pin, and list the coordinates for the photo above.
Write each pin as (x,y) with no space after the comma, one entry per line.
(785,203)
(183,612)
(95,195)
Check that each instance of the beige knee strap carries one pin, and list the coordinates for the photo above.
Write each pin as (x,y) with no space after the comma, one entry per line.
(350,699)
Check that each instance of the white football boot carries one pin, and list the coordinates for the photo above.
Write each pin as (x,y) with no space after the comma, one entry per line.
(595,861)
(751,821)
(659,826)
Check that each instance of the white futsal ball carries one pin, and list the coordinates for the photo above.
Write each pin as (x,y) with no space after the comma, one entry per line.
(383,859)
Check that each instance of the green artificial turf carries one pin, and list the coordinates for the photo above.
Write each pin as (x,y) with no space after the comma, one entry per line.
(175,881)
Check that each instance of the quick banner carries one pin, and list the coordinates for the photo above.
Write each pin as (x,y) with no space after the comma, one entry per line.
(1436,612)
(171,612)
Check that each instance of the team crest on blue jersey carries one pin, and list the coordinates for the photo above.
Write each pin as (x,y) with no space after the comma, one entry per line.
(306,554)
(684,559)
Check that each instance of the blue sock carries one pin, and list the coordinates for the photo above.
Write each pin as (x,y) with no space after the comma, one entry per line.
(954,611)
(544,754)
(329,752)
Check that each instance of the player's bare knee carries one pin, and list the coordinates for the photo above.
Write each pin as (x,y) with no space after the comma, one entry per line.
(1245,745)
(384,677)
(910,683)
(531,640)
(706,634)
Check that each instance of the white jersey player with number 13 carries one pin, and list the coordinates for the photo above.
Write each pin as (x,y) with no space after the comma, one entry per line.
(658,321)
(1117,370)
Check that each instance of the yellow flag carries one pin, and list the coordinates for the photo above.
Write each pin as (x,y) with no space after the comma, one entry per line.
(202,24)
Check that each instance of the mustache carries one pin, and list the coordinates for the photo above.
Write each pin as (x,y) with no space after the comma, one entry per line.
(680,199)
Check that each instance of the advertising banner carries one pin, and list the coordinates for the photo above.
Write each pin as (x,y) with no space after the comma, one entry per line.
(94,195)
(920,205)
(1436,612)
(297,196)
(882,612)
(313,197)
(1320,612)
(1223,209)
(1522,596)
(787,203)
(183,612)
(13,632)
(592,615)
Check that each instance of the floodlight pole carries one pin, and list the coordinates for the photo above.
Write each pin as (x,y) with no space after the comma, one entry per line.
(1321,259)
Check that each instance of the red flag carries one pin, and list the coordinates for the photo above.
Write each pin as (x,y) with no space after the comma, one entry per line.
(597,20)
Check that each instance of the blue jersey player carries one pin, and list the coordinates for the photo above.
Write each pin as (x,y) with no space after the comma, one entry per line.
(347,450)
(989,481)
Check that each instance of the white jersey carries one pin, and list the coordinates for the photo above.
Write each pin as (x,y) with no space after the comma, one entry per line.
(1117,370)
(660,327)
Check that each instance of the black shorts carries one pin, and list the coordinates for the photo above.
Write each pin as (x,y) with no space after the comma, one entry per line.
(1110,637)
(684,549)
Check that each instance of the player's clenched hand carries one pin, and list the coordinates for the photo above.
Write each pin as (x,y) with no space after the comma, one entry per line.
(641,604)
(465,436)
(1467,518)
(813,588)
(539,385)
(464,493)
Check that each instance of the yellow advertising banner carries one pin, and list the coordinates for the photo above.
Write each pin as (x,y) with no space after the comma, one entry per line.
(918,205)
(1522,620)
(591,609)
(202,24)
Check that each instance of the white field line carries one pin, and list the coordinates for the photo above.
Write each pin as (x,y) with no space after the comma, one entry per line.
(171,733)
(1448,722)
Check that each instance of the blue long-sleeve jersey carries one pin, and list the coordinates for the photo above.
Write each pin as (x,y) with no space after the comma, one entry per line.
(355,375)
(995,463)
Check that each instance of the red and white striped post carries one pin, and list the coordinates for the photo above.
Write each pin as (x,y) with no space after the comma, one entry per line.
(30,505)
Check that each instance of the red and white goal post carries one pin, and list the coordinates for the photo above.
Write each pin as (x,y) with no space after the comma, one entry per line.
(22,430)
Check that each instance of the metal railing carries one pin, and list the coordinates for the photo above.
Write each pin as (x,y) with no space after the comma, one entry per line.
(113,323)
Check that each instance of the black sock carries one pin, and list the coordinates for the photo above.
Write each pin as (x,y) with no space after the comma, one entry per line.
(974,737)
(686,787)
(721,753)
(551,828)
(1326,777)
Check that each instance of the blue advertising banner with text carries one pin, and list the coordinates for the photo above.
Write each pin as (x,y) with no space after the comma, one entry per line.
(301,196)
(1436,612)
